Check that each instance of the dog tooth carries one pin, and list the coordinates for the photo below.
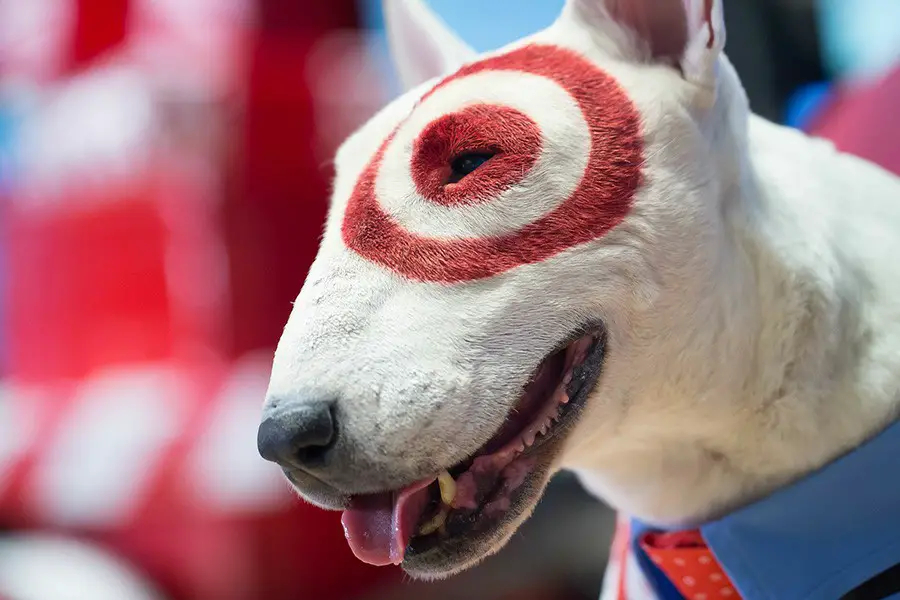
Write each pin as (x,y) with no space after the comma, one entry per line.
(448,487)
(435,523)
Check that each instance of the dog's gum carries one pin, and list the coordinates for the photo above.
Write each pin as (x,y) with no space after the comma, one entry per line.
(448,488)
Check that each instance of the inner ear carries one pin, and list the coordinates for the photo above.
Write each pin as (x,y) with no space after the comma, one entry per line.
(687,34)
(660,25)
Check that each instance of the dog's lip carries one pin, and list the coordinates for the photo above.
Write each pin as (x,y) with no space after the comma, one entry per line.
(583,377)
(319,492)
(536,457)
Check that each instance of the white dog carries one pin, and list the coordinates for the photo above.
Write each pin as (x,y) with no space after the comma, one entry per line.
(581,251)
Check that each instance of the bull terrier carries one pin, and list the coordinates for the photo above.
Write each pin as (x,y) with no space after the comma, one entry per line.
(583,251)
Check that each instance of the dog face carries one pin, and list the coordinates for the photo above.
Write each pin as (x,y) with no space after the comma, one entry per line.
(511,249)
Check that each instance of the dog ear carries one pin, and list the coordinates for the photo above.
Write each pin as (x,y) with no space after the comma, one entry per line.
(423,46)
(688,34)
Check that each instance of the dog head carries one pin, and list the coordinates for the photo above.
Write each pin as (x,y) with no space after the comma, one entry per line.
(518,249)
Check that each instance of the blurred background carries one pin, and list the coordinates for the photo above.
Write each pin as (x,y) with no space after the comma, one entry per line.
(164,175)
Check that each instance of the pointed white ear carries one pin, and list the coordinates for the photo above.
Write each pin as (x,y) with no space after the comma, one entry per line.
(689,34)
(422,45)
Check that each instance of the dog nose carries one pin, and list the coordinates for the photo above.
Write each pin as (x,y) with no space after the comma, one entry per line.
(297,436)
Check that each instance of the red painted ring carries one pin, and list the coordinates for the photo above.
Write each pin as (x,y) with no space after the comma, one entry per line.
(601,201)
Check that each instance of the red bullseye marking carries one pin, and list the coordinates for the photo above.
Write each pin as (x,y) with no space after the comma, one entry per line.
(512,137)
(601,201)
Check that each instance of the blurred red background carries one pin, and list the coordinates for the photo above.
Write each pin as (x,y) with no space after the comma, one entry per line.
(155,246)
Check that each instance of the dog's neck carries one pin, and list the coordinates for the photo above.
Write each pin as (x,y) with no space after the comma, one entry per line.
(790,358)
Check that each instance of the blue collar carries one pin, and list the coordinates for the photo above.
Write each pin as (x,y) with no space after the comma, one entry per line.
(814,540)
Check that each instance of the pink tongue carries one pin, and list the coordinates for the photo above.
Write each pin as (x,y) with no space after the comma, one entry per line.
(378,527)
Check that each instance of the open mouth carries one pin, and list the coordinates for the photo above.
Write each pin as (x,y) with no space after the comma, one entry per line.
(476,494)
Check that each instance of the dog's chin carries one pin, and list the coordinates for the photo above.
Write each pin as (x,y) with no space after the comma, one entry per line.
(493,491)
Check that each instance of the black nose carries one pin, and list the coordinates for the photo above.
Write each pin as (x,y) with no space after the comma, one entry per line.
(297,436)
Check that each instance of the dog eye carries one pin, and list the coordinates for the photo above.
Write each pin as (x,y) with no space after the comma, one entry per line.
(465,164)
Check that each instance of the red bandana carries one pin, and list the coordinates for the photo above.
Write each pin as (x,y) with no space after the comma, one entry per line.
(687,562)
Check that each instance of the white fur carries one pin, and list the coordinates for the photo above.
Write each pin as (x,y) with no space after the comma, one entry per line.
(752,297)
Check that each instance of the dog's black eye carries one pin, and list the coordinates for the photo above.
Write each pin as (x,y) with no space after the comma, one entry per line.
(464,164)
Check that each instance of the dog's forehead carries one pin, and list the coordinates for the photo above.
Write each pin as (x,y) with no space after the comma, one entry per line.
(565,148)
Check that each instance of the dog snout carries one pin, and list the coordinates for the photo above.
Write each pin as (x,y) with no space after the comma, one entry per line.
(296,435)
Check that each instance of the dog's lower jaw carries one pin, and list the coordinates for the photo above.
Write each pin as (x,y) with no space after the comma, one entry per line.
(425,571)
(458,554)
